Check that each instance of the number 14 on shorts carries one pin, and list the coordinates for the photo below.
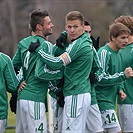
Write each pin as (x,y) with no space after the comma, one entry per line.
(40,128)
(109,118)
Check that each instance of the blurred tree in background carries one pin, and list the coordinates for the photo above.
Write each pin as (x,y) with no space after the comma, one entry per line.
(14,17)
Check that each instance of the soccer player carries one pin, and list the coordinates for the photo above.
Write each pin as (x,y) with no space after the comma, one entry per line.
(94,121)
(77,60)
(30,116)
(125,108)
(112,65)
(87,27)
(55,90)
(8,83)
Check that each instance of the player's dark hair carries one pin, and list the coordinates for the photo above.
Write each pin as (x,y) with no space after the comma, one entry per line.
(86,23)
(37,17)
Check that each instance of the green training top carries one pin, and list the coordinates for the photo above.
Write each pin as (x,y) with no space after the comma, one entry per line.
(78,63)
(98,71)
(36,88)
(57,51)
(112,65)
(44,72)
(127,61)
(8,82)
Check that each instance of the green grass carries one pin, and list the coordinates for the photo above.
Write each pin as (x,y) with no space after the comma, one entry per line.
(11,119)
(10,131)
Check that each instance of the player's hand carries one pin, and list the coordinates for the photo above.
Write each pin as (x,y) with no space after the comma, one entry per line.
(92,78)
(61,40)
(128,72)
(95,42)
(22,85)
(60,98)
(122,95)
(34,45)
(13,103)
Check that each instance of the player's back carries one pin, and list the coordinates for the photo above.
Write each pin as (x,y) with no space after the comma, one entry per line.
(35,89)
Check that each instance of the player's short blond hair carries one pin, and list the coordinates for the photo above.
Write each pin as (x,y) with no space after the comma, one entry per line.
(75,15)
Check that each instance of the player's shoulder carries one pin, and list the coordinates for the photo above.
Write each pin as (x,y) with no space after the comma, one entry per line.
(4,55)
(26,38)
(25,41)
(103,48)
(4,58)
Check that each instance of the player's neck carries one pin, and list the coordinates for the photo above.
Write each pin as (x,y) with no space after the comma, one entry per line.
(113,46)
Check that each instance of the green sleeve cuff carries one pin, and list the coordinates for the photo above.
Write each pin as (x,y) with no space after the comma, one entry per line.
(124,77)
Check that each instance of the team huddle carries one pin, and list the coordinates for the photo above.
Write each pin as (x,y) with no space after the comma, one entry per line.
(84,81)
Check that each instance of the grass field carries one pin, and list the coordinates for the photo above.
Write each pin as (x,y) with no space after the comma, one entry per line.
(11,119)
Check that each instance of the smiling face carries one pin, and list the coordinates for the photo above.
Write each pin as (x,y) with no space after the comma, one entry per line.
(47,28)
(40,23)
(74,28)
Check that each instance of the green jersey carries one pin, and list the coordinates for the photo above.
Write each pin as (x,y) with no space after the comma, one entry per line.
(127,61)
(98,71)
(103,78)
(8,82)
(57,51)
(36,88)
(78,64)
(112,65)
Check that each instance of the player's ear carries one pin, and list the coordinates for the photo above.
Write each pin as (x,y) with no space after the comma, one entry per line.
(83,26)
(39,27)
(112,38)
(66,28)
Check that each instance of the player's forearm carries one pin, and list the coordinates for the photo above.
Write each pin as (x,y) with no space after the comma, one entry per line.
(53,62)
(117,78)
(46,74)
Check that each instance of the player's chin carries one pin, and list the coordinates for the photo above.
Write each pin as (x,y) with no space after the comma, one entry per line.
(123,46)
(51,32)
